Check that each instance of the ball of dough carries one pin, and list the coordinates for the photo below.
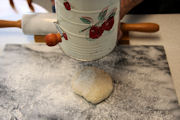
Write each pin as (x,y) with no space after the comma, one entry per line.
(93,84)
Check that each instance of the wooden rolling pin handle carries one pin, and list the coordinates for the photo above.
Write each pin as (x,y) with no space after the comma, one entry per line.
(140,27)
(5,23)
(53,39)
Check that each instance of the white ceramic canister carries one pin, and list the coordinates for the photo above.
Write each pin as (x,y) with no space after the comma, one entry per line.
(91,27)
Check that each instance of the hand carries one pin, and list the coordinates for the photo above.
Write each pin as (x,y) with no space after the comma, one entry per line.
(125,7)
(28,1)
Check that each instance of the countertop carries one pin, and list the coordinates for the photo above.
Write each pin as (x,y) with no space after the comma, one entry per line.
(168,36)
(35,84)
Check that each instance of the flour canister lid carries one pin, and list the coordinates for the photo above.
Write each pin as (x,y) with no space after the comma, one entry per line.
(91,27)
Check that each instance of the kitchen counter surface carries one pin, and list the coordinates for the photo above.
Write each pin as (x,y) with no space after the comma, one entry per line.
(35,84)
(168,36)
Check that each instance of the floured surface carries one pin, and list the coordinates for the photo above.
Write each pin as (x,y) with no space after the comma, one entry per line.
(35,85)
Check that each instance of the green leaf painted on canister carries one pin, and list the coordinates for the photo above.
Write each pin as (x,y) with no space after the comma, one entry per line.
(112,13)
(86,20)
(102,14)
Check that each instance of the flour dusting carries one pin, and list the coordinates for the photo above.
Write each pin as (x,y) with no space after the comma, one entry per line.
(35,84)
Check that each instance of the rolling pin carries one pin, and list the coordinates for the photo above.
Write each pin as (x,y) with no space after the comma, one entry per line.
(53,39)
(33,24)
(41,24)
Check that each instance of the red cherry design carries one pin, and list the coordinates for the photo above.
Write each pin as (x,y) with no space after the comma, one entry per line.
(65,36)
(101,30)
(108,24)
(67,5)
(95,32)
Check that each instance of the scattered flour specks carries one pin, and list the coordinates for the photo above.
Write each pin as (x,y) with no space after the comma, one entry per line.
(35,85)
